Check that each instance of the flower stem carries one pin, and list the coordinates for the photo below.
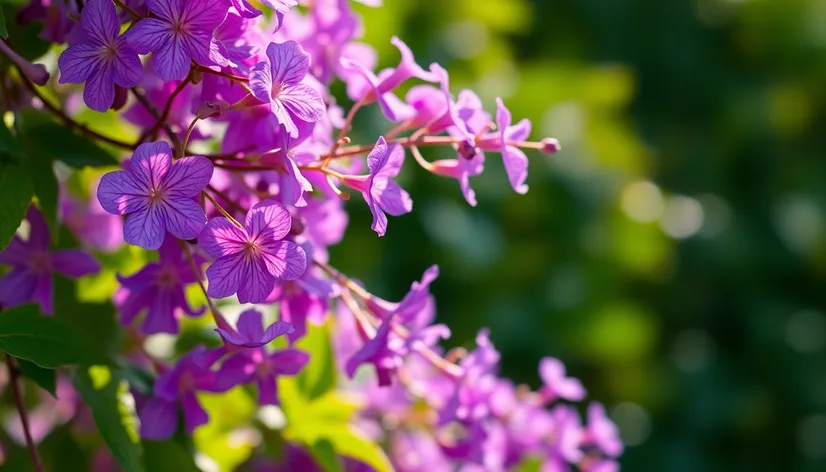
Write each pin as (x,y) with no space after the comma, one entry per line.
(14,374)
(342,134)
(220,321)
(222,211)
(161,121)
(125,8)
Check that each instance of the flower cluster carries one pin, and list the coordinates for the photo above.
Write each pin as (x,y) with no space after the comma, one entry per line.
(238,178)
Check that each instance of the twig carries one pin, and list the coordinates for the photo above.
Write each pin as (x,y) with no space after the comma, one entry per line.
(176,142)
(216,315)
(152,132)
(14,373)
(70,121)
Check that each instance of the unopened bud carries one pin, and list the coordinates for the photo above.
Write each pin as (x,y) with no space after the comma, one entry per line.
(212,109)
(468,150)
(37,73)
(550,146)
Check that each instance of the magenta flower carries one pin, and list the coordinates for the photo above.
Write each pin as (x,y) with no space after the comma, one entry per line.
(101,58)
(384,350)
(516,162)
(556,385)
(406,69)
(250,259)
(33,264)
(381,193)
(602,432)
(251,332)
(156,195)
(182,32)
(277,81)
(281,8)
(256,365)
(176,388)
(159,288)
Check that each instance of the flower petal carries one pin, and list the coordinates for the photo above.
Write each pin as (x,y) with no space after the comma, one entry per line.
(119,193)
(127,70)
(284,117)
(268,221)
(148,35)
(188,176)
(99,92)
(100,20)
(225,276)
(221,238)
(169,10)
(256,281)
(159,419)
(74,263)
(289,62)
(183,217)
(150,163)
(516,165)
(251,325)
(279,328)
(391,198)
(303,101)
(288,361)
(17,287)
(145,228)
(194,414)
(171,60)
(77,63)
(285,260)
(261,81)
(205,15)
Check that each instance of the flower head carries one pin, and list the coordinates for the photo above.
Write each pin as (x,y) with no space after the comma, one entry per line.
(101,58)
(250,259)
(251,332)
(33,265)
(277,81)
(557,385)
(159,288)
(380,191)
(516,162)
(182,32)
(255,365)
(156,195)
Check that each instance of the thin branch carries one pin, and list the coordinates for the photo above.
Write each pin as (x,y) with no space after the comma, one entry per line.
(152,132)
(14,374)
(176,142)
(70,121)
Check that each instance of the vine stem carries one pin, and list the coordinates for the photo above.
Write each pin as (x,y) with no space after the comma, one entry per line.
(151,109)
(14,373)
(220,321)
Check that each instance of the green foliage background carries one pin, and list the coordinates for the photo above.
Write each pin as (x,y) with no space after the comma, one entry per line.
(708,350)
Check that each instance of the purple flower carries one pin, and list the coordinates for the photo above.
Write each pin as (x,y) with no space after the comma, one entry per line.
(406,69)
(30,279)
(602,432)
(383,350)
(102,58)
(281,8)
(182,32)
(565,433)
(57,22)
(368,87)
(159,288)
(175,389)
(304,299)
(264,369)
(250,259)
(291,183)
(516,162)
(156,195)
(557,385)
(380,191)
(251,332)
(277,81)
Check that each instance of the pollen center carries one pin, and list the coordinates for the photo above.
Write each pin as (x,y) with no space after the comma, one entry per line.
(155,196)
(40,262)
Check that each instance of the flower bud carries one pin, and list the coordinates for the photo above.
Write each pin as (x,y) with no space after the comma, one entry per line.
(212,109)
(550,146)
(37,73)
(121,94)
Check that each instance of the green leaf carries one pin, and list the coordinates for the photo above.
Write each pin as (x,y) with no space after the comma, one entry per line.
(319,375)
(45,378)
(47,341)
(62,144)
(351,442)
(4,33)
(167,456)
(116,423)
(94,323)
(17,191)
(325,455)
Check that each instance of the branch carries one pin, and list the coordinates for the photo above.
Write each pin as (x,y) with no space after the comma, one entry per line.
(14,374)
(149,107)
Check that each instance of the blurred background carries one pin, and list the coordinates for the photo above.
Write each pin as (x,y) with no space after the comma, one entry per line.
(673,254)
